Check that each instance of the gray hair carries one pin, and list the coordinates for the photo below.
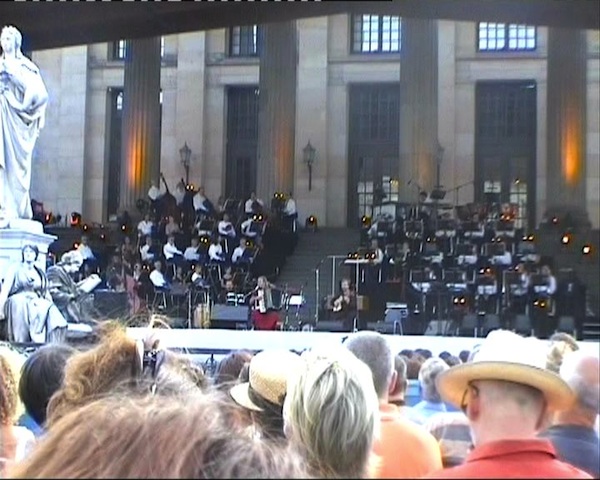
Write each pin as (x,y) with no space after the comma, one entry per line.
(430,369)
(585,387)
(373,349)
(331,412)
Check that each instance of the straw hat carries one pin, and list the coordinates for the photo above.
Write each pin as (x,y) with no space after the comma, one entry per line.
(506,356)
(268,376)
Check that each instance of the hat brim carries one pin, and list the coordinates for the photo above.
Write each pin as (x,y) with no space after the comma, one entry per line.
(452,383)
(240,395)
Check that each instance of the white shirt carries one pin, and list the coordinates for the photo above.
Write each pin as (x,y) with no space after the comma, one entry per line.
(198,202)
(145,254)
(215,252)
(290,207)
(245,226)
(191,253)
(154,193)
(197,278)
(238,253)
(179,195)
(226,229)
(145,227)
(86,252)
(249,202)
(157,278)
(170,251)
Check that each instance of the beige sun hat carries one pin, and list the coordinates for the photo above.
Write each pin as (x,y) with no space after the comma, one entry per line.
(268,377)
(507,356)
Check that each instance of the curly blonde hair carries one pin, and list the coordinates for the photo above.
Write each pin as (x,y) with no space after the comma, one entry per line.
(12,363)
(8,393)
(116,365)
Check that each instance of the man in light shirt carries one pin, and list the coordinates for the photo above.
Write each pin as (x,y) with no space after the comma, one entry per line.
(145,226)
(240,253)
(191,253)
(157,278)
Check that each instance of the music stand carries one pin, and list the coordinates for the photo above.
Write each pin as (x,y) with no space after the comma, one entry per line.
(525,247)
(446,227)
(505,228)
(413,228)
(494,249)
(454,277)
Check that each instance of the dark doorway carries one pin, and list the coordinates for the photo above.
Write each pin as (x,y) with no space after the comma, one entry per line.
(373,150)
(115,119)
(242,141)
(505,146)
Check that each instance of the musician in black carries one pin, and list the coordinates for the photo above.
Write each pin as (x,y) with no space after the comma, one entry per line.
(343,306)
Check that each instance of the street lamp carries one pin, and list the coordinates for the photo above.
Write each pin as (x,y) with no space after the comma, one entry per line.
(309,158)
(185,154)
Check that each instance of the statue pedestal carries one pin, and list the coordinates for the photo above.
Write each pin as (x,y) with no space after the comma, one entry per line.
(16,235)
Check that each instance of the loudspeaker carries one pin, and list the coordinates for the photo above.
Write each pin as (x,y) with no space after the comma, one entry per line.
(228,316)
(111,304)
(438,327)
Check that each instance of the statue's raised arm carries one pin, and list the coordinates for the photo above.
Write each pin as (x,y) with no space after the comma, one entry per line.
(23,100)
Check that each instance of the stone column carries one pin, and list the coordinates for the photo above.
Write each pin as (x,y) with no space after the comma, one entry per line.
(140,151)
(277,109)
(418,106)
(566,119)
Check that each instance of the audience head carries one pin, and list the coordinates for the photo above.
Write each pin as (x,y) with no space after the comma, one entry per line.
(413,366)
(10,371)
(229,368)
(581,371)
(120,363)
(266,389)
(332,414)
(8,393)
(464,356)
(41,376)
(424,353)
(373,349)
(153,437)
(505,390)
(560,345)
(430,369)
(406,353)
(452,361)
(398,389)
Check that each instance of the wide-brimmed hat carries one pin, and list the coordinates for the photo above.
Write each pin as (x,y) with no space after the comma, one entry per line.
(507,356)
(268,377)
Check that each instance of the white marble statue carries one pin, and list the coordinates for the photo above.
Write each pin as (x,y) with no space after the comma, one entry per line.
(23,100)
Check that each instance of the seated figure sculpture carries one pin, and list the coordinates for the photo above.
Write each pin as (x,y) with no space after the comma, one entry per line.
(74,300)
(26,304)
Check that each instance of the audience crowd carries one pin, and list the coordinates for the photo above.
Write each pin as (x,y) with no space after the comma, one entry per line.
(514,407)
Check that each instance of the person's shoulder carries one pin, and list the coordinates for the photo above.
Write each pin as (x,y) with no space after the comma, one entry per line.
(417,433)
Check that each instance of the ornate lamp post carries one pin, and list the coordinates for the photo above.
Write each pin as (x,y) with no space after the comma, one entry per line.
(309,158)
(185,154)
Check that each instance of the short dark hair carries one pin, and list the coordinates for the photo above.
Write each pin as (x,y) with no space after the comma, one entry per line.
(42,375)
(464,355)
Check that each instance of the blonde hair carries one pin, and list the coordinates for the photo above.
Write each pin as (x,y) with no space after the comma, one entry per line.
(117,364)
(12,363)
(187,436)
(331,413)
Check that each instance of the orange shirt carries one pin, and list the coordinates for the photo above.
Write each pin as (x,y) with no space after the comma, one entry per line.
(404,449)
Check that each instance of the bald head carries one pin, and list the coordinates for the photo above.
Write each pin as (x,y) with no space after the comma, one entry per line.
(582,372)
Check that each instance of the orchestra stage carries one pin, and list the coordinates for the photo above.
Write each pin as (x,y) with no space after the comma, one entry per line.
(216,342)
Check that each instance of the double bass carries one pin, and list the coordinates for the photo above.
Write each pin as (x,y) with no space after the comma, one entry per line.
(168,203)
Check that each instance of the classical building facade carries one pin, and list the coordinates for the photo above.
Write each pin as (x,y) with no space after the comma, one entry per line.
(389,104)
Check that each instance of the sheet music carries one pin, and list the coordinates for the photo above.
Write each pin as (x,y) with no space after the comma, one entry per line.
(88,284)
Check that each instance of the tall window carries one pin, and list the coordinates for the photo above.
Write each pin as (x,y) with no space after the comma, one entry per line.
(118,49)
(495,37)
(375,34)
(244,41)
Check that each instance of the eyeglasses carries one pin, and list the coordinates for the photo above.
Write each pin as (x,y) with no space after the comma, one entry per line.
(475,393)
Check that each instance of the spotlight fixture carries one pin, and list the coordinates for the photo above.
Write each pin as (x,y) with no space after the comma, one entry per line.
(75,219)
(566,238)
(586,249)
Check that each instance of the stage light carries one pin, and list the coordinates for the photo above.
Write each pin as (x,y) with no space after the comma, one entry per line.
(366,221)
(311,222)
(586,249)
(555,220)
(75,219)
(531,238)
(566,238)
(85,227)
